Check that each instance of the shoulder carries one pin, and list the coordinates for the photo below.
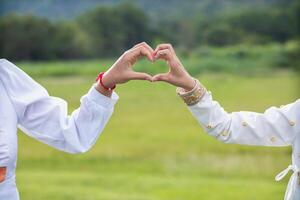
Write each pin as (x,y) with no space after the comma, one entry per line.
(5,64)
(3,60)
(8,68)
(10,73)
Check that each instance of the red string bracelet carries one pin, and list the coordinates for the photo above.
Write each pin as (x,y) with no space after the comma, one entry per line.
(99,78)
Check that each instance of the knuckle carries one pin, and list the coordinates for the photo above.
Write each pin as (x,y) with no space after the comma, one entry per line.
(169,45)
(126,55)
(167,52)
(141,44)
(138,44)
(142,47)
(126,52)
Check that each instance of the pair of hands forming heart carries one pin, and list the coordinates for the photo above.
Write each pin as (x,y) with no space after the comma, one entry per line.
(122,72)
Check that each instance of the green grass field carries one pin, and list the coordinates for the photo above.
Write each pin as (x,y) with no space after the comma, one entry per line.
(153,149)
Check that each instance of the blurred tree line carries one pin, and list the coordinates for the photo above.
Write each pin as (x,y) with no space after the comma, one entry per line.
(108,31)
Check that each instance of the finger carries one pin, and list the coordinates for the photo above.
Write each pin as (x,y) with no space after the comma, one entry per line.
(140,76)
(163,54)
(164,46)
(142,51)
(161,77)
(145,45)
(139,44)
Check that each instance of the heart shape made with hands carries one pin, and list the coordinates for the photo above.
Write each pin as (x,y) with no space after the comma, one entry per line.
(122,70)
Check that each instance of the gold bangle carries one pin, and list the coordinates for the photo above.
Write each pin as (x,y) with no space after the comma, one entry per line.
(193,96)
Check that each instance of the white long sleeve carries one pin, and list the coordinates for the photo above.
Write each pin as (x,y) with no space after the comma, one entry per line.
(46,118)
(274,127)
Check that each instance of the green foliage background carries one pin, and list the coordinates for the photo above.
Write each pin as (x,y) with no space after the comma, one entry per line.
(245,52)
(108,29)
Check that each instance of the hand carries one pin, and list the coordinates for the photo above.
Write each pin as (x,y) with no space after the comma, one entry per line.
(122,72)
(177,74)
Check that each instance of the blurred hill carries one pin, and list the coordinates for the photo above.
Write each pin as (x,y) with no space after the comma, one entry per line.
(156,9)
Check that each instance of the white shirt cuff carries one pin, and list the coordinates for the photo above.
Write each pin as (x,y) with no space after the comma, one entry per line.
(207,98)
(101,99)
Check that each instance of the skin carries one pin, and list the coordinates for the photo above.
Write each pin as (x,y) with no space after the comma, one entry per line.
(177,75)
(122,72)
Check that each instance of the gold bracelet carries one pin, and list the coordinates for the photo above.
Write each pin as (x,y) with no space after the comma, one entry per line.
(193,96)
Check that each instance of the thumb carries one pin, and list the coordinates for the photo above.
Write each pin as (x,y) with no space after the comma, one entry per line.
(161,77)
(140,76)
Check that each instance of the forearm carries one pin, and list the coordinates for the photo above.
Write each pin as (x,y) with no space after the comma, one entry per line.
(271,128)
(211,116)
(47,120)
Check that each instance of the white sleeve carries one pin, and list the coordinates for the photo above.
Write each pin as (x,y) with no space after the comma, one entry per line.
(274,127)
(46,118)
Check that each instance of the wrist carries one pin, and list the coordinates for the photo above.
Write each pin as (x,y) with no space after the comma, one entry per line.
(102,90)
(189,83)
(101,85)
(192,96)
(108,80)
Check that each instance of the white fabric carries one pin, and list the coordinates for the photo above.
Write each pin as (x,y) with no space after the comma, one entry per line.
(274,127)
(26,104)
